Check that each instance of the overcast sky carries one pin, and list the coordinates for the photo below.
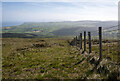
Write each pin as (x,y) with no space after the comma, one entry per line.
(56,10)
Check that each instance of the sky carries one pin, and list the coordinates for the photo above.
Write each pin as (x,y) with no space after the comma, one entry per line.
(64,10)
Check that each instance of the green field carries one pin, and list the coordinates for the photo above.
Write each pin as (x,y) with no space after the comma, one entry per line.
(45,58)
(53,29)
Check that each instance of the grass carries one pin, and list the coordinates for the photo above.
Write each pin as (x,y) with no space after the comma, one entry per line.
(43,58)
(110,50)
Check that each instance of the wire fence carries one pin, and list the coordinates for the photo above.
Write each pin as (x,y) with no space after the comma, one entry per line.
(110,43)
(102,41)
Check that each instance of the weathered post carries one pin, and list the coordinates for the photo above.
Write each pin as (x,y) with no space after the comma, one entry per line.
(84,40)
(89,38)
(76,40)
(100,43)
(80,40)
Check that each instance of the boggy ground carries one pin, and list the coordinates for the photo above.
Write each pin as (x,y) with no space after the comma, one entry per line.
(54,58)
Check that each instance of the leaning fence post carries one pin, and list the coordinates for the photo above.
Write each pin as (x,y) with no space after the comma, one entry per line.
(80,40)
(89,38)
(100,43)
(84,40)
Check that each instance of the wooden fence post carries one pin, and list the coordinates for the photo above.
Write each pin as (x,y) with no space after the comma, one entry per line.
(84,40)
(89,38)
(80,40)
(76,40)
(100,43)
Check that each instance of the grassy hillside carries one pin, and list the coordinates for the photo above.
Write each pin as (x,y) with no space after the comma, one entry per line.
(54,58)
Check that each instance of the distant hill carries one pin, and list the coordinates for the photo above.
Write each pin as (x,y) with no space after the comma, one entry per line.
(65,28)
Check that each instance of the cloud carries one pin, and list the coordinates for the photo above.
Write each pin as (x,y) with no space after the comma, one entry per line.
(50,11)
(60,1)
(0,10)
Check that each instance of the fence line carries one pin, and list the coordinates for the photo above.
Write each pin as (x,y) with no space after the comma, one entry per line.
(106,38)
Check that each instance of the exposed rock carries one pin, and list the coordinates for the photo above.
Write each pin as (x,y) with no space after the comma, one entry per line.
(40,45)
(22,49)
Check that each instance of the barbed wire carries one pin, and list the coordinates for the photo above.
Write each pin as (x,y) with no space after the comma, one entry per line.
(110,27)
(107,28)
(112,30)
